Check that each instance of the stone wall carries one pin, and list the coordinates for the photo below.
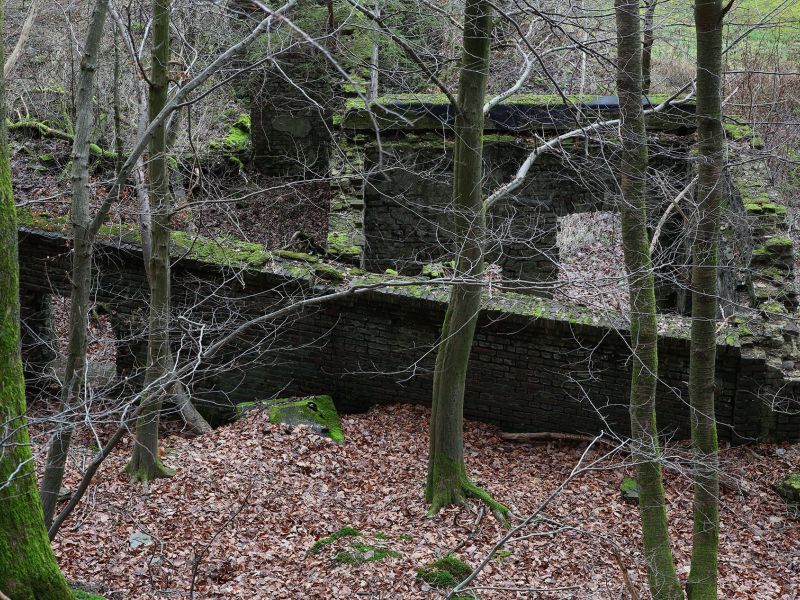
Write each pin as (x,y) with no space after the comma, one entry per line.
(535,365)
(408,215)
(292,104)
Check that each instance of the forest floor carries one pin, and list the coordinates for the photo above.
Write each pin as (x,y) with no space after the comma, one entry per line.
(250,499)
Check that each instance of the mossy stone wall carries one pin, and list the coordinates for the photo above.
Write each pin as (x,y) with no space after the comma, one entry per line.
(530,370)
(291,109)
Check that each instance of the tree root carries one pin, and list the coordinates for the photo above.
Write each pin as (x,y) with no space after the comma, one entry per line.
(145,473)
(439,499)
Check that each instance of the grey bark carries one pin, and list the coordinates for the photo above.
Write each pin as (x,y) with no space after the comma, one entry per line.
(702,584)
(662,578)
(74,373)
(145,463)
(447,481)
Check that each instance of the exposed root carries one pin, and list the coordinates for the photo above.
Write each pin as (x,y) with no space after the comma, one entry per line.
(457,495)
(145,473)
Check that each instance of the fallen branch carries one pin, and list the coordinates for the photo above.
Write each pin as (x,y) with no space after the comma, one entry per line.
(552,436)
(49,132)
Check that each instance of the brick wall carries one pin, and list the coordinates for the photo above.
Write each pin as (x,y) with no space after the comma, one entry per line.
(527,373)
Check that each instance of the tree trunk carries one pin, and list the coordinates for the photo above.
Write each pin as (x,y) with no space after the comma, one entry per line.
(703,574)
(28,568)
(647,45)
(145,463)
(447,478)
(81,271)
(662,577)
(11,63)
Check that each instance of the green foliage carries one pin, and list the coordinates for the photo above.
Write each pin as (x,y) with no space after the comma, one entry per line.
(445,572)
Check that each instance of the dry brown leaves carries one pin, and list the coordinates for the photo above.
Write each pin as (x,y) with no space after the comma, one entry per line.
(252,497)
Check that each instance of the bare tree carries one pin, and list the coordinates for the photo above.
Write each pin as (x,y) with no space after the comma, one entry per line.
(662,578)
(448,482)
(28,568)
(74,373)
(705,304)
(145,463)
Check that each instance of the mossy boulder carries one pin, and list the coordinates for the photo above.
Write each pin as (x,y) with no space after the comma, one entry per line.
(445,572)
(328,272)
(629,488)
(340,245)
(789,488)
(317,412)
(236,146)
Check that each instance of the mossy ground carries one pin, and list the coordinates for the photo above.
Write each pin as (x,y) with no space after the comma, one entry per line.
(321,544)
(353,551)
(81,595)
(445,572)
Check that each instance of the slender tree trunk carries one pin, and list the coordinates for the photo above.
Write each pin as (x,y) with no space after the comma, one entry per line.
(374,67)
(145,463)
(119,144)
(11,62)
(28,568)
(447,477)
(81,270)
(647,44)
(662,578)
(702,583)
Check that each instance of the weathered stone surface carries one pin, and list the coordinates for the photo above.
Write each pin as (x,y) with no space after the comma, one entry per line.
(536,364)
(789,488)
(317,412)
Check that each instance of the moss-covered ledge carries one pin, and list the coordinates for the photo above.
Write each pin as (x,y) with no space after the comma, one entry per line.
(519,112)
(327,276)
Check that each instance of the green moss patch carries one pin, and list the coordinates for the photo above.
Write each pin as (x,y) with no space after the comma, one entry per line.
(778,243)
(360,553)
(629,488)
(328,272)
(317,412)
(737,131)
(236,144)
(349,548)
(789,490)
(222,251)
(82,595)
(339,244)
(323,543)
(445,572)
(301,256)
